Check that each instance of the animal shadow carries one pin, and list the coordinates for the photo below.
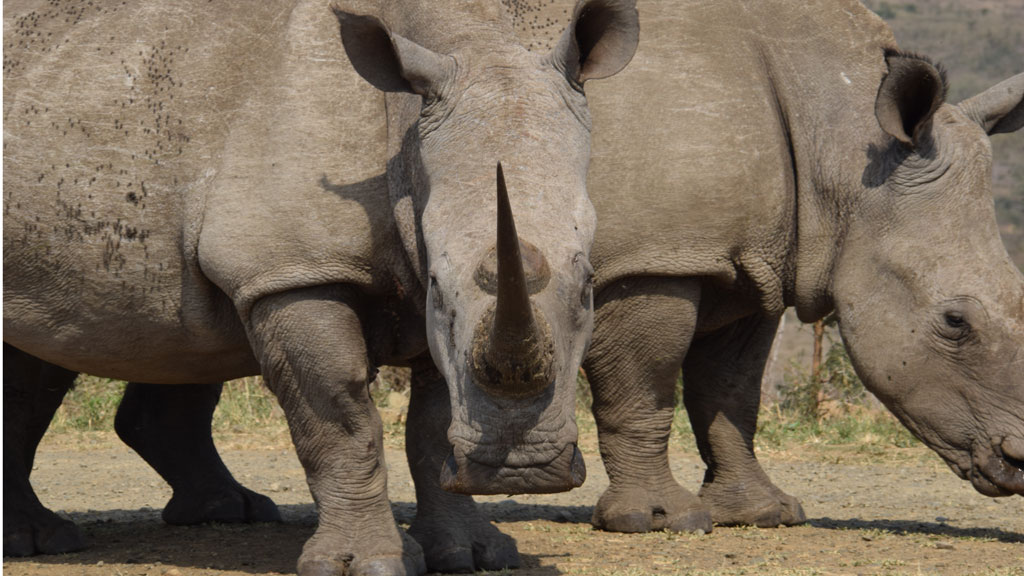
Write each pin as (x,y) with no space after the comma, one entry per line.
(905,527)
(139,537)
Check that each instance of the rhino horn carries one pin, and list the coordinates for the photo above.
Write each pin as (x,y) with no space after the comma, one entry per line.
(513,315)
(513,352)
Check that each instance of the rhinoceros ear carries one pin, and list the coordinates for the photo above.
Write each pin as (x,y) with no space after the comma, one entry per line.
(908,97)
(390,62)
(999,109)
(600,40)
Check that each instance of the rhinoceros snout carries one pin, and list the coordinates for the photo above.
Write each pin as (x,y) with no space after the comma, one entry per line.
(998,469)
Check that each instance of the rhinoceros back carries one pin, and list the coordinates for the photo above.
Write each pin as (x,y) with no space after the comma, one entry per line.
(701,143)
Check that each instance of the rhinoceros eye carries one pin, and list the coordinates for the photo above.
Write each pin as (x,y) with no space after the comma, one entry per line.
(955,320)
(588,291)
(435,293)
(586,294)
(954,326)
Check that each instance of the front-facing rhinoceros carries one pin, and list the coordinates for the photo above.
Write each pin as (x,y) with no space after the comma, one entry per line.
(759,155)
(787,154)
(198,191)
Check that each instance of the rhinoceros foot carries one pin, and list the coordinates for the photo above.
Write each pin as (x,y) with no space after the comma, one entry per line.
(41,532)
(228,504)
(455,545)
(324,557)
(642,509)
(751,504)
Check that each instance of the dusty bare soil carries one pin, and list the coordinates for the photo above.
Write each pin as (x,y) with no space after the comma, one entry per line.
(899,513)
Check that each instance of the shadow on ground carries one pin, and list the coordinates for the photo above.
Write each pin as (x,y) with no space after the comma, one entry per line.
(139,537)
(904,527)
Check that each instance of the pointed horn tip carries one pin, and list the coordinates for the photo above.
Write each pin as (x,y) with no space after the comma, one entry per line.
(501,180)
(504,208)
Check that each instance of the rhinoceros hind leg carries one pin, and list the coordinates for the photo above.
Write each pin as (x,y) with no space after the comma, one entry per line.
(33,389)
(453,533)
(169,426)
(722,393)
(642,328)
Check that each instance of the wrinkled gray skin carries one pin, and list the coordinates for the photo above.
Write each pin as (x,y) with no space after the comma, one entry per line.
(779,158)
(196,192)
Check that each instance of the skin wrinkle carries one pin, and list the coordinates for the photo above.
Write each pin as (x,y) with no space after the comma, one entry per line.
(444,96)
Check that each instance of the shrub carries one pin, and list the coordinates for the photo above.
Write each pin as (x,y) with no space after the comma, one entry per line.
(90,405)
(836,387)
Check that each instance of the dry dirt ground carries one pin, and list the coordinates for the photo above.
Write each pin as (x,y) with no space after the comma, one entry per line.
(902,512)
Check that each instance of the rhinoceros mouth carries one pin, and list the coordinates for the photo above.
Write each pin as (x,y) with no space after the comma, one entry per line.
(998,468)
(462,474)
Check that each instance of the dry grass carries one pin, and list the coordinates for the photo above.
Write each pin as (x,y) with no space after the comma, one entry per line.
(247,406)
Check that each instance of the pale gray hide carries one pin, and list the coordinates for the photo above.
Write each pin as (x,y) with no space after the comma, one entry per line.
(199,191)
(749,160)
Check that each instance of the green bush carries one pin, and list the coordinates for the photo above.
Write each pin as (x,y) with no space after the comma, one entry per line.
(835,387)
(244,404)
(90,405)
(833,408)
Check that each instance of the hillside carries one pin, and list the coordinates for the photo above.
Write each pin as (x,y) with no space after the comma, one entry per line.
(980,42)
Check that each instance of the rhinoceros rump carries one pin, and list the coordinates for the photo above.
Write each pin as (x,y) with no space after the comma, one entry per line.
(198,191)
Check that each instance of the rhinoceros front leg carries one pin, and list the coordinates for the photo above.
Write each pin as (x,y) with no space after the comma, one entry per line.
(169,426)
(453,533)
(311,349)
(642,328)
(33,390)
(722,393)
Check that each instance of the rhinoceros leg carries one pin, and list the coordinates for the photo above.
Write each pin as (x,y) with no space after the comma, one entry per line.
(642,327)
(169,426)
(312,353)
(33,390)
(453,533)
(722,392)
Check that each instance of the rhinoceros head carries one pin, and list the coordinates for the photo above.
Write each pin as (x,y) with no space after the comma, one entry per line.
(497,159)
(931,307)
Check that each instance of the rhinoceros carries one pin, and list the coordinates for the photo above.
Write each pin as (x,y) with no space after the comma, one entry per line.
(787,154)
(199,191)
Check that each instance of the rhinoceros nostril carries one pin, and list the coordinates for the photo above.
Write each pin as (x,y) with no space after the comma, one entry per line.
(1018,464)
(1012,451)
